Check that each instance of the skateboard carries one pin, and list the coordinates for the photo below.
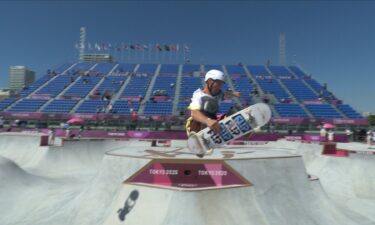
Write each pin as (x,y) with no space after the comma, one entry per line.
(235,126)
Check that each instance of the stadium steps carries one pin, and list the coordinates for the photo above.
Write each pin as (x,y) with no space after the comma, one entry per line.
(307,84)
(45,105)
(36,90)
(304,82)
(71,84)
(291,72)
(251,77)
(77,105)
(96,86)
(287,91)
(306,110)
(121,90)
(282,85)
(311,88)
(275,113)
(230,85)
(149,91)
(349,114)
(258,98)
(270,72)
(339,111)
(79,102)
(177,91)
(113,69)
(87,97)
(294,98)
(202,71)
(271,97)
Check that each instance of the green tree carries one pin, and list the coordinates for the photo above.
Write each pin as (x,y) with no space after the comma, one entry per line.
(371,120)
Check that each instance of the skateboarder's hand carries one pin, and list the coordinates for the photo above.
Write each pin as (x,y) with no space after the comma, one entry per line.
(231,94)
(214,125)
(236,94)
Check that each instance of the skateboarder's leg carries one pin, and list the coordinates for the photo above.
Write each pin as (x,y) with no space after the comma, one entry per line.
(193,126)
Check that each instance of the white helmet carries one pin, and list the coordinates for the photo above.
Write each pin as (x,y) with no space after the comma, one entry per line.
(215,75)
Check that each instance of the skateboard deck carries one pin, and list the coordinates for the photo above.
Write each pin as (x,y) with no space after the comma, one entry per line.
(235,126)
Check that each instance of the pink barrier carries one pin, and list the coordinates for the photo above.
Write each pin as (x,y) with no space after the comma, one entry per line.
(161,98)
(313,102)
(288,120)
(41,96)
(235,76)
(297,120)
(172,135)
(101,116)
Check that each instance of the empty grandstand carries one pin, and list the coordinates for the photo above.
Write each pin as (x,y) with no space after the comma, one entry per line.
(157,91)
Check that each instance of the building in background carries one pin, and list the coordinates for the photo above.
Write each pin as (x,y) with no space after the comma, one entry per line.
(97,58)
(19,77)
(5,93)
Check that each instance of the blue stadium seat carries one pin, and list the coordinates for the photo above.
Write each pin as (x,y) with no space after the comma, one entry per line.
(273,87)
(82,66)
(182,105)
(323,111)
(27,105)
(83,86)
(212,67)
(63,67)
(190,69)
(317,87)
(57,85)
(235,69)
(147,68)
(243,85)
(164,83)
(124,68)
(349,111)
(290,110)
(137,86)
(280,71)
(158,108)
(258,70)
(297,71)
(169,69)
(122,107)
(104,68)
(35,85)
(111,84)
(189,85)
(224,107)
(60,106)
(299,89)
(92,106)
(6,102)
(191,80)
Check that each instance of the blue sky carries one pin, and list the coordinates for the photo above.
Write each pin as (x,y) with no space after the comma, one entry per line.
(332,40)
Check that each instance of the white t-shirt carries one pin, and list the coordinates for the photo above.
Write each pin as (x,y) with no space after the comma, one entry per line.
(196,100)
(323,132)
(330,135)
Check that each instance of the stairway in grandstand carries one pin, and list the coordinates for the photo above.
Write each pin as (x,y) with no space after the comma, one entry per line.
(166,89)
(177,91)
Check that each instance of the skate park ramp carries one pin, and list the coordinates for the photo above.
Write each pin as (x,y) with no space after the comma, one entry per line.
(82,182)
(349,181)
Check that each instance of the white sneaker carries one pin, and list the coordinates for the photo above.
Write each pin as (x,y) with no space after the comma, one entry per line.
(194,145)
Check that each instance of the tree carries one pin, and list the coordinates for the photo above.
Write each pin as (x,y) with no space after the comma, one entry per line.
(371,120)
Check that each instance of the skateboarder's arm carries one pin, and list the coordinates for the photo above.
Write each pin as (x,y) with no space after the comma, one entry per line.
(200,117)
(231,94)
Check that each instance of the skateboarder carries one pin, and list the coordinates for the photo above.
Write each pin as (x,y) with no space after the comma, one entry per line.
(205,103)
